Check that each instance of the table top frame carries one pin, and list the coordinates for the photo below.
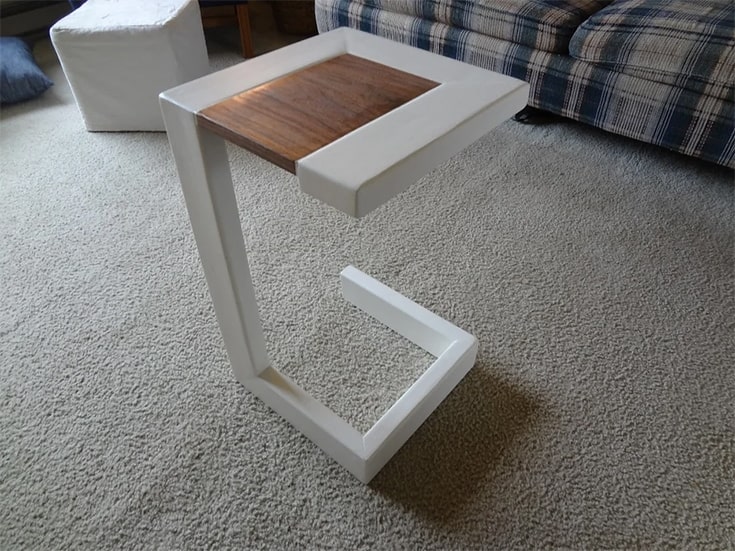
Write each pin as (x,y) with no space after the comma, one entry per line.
(364,168)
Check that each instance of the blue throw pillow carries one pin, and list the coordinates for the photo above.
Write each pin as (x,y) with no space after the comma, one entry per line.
(20,78)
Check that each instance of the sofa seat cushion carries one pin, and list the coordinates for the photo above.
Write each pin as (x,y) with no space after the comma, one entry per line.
(687,43)
(546,25)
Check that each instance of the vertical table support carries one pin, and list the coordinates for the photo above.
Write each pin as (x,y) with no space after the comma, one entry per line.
(204,171)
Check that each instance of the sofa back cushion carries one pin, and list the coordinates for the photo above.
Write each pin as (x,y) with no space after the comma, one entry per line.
(687,43)
(540,24)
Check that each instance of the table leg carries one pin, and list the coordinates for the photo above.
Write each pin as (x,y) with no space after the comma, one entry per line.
(204,171)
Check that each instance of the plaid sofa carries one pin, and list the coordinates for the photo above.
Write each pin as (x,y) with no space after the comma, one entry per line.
(659,71)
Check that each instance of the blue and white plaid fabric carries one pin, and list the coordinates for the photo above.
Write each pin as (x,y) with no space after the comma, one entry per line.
(542,24)
(699,38)
(670,111)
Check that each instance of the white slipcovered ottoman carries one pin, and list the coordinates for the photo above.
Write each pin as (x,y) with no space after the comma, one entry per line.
(118,55)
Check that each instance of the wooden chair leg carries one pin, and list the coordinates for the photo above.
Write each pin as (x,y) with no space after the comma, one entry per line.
(243,22)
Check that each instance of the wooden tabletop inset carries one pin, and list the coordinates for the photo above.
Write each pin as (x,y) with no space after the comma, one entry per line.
(292,116)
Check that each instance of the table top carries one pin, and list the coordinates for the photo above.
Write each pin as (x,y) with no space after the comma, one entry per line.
(356,117)
(290,117)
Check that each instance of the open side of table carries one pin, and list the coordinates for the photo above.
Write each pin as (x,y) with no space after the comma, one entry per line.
(358,119)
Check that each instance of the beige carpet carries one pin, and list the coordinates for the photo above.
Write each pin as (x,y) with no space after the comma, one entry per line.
(596,272)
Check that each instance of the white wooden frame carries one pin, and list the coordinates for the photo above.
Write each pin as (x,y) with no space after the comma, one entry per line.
(355,173)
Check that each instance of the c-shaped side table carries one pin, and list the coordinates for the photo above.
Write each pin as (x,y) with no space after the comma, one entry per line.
(357,118)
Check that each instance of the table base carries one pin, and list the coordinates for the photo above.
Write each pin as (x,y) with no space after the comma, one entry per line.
(365,454)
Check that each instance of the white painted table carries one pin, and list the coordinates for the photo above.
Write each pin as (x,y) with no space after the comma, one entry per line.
(451,105)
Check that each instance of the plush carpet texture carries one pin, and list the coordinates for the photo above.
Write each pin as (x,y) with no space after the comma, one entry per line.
(596,272)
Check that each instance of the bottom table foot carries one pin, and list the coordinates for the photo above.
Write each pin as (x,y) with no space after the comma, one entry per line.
(365,454)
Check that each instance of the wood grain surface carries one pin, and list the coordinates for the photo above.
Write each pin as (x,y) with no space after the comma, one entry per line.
(293,116)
